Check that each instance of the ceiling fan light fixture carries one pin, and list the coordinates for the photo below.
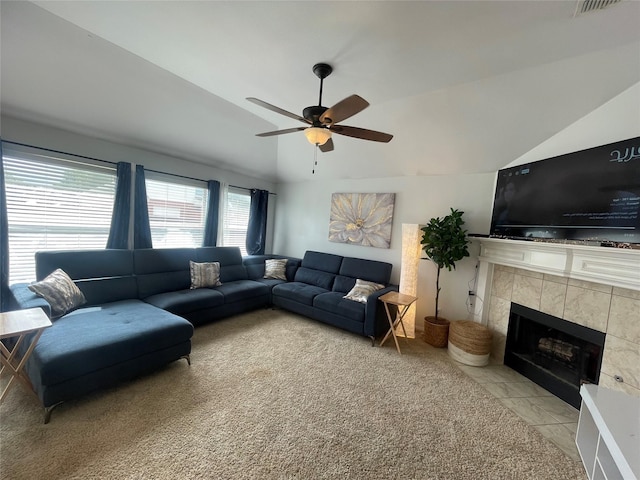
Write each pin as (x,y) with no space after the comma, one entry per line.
(321,121)
(317,135)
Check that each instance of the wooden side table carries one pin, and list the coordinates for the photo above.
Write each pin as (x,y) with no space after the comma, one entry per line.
(403,302)
(20,324)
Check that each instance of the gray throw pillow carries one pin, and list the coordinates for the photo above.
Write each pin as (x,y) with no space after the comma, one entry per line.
(60,292)
(275,268)
(362,289)
(204,275)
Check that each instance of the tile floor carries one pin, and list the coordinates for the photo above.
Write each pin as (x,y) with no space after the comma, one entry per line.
(554,418)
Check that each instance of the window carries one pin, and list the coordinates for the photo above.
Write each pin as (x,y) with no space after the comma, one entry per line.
(54,203)
(177,210)
(236,219)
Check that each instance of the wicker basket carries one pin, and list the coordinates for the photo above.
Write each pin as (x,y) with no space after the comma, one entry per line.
(436,331)
(469,342)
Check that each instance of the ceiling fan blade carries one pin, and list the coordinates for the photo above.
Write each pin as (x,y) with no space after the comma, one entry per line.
(280,132)
(362,133)
(344,109)
(327,147)
(273,108)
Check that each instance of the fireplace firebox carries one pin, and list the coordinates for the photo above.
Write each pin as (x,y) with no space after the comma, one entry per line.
(556,354)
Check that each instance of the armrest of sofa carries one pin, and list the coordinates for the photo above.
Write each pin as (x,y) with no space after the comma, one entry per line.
(25,298)
(375,317)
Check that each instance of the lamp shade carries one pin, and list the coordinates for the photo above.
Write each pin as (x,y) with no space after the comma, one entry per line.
(411,251)
(317,135)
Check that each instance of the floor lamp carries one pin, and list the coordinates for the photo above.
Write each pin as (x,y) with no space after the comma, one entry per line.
(411,250)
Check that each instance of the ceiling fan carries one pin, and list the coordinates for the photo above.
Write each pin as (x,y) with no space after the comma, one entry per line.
(323,121)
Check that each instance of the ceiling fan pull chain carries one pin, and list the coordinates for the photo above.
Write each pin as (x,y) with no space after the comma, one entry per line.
(315,159)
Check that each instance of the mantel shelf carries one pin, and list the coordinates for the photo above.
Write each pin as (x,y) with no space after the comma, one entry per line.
(608,265)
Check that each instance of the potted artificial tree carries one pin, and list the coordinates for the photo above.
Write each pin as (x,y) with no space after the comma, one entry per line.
(445,242)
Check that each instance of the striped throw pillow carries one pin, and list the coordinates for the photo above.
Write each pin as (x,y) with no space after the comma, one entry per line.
(275,268)
(204,274)
(60,292)
(362,289)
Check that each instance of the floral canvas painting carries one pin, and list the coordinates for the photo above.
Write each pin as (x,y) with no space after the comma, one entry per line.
(362,218)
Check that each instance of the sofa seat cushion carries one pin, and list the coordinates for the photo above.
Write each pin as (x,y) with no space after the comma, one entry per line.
(241,289)
(335,303)
(93,338)
(297,291)
(269,282)
(186,301)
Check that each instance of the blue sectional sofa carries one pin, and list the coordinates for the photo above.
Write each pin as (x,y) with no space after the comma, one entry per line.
(114,336)
(163,278)
(140,310)
(320,285)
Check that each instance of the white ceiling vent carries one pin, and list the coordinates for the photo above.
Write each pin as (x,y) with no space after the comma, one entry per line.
(586,6)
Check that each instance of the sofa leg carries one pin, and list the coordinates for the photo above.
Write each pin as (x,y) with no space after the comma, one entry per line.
(187,358)
(373,340)
(47,412)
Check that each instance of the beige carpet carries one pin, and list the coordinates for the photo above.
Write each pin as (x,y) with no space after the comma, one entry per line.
(274,395)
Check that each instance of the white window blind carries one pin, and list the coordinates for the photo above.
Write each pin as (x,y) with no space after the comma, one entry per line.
(54,204)
(236,219)
(177,210)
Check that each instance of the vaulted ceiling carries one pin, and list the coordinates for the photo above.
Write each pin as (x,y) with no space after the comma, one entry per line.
(464,86)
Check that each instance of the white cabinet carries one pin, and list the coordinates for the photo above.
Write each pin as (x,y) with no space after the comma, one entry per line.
(608,437)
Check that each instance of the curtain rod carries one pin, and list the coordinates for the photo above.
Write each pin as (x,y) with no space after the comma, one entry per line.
(175,175)
(113,163)
(60,152)
(245,188)
(197,179)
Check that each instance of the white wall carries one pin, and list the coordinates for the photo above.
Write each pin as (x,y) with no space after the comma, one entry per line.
(302,220)
(43,136)
(618,119)
(302,223)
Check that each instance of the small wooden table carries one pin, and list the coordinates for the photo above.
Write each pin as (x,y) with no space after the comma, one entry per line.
(403,302)
(20,324)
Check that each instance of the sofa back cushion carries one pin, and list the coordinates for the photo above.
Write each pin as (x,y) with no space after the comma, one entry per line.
(106,290)
(315,277)
(230,259)
(325,262)
(319,269)
(102,276)
(84,264)
(354,268)
(160,270)
(343,284)
(371,270)
(255,265)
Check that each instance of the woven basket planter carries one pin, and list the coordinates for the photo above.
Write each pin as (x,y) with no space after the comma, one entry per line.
(469,343)
(436,331)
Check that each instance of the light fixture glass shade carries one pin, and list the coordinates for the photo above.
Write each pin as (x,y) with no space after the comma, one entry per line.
(317,135)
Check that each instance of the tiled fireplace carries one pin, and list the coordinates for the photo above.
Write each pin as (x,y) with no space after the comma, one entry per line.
(556,354)
(596,287)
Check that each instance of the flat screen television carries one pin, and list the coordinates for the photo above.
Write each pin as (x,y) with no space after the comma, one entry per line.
(592,196)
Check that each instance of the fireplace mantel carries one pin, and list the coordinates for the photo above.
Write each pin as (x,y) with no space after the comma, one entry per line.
(608,265)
